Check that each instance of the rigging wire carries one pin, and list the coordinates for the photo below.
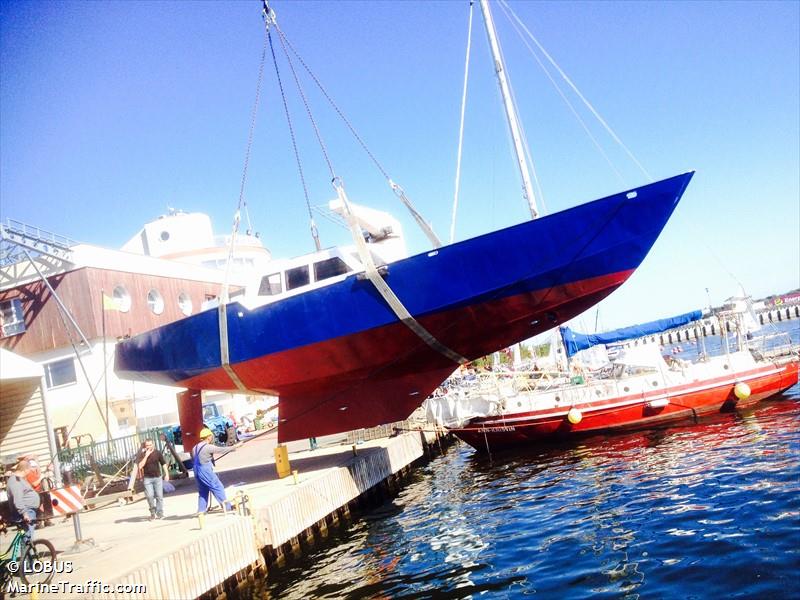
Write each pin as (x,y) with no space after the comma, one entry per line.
(524,137)
(329,215)
(396,188)
(588,105)
(461,126)
(563,96)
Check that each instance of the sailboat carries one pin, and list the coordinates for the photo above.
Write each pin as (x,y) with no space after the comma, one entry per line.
(348,340)
(640,388)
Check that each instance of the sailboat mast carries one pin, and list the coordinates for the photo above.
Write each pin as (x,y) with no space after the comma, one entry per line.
(511,113)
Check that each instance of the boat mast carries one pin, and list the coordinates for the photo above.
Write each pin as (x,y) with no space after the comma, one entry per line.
(511,113)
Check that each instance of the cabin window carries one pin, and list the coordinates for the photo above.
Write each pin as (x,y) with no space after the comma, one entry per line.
(12,318)
(325,269)
(60,372)
(270,285)
(122,298)
(155,301)
(297,277)
(185,303)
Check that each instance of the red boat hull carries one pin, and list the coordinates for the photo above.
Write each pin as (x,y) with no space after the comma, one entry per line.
(686,403)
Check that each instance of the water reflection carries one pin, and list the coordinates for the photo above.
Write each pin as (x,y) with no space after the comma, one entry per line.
(707,510)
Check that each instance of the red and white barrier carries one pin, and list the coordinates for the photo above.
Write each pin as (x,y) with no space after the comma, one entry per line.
(67,500)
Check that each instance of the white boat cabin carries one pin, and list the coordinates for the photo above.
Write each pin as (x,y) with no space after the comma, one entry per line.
(283,278)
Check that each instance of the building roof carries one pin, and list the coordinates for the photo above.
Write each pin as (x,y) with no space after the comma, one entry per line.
(15,367)
(85,255)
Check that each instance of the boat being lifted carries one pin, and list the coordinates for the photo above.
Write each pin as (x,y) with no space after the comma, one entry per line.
(352,339)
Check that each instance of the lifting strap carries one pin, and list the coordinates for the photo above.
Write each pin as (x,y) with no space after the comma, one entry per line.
(224,350)
(383,288)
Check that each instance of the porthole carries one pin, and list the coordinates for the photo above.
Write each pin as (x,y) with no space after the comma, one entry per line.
(122,298)
(155,301)
(655,384)
(626,389)
(558,399)
(725,367)
(519,404)
(185,303)
(164,236)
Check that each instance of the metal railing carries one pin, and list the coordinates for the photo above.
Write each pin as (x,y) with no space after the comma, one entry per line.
(376,433)
(108,457)
(17,239)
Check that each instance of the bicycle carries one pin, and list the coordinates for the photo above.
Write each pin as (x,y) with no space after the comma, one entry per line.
(34,558)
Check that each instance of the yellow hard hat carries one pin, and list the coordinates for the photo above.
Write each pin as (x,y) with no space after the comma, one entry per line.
(205,432)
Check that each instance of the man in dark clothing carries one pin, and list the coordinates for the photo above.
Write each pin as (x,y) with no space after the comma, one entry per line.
(24,501)
(150,463)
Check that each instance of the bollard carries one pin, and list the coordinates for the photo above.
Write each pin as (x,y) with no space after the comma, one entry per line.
(294,474)
(282,465)
(201,519)
(76,524)
(354,450)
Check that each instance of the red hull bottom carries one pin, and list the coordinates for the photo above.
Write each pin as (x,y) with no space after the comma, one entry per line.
(682,408)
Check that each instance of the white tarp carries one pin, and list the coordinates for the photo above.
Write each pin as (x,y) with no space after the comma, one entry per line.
(455,409)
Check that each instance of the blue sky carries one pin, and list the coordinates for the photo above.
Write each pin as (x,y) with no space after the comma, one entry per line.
(110,112)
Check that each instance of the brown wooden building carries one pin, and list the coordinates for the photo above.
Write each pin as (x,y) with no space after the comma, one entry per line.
(43,321)
(140,302)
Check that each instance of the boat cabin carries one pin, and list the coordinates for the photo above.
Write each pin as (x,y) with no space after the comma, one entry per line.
(288,277)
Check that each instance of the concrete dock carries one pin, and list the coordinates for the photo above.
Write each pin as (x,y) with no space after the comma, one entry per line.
(134,557)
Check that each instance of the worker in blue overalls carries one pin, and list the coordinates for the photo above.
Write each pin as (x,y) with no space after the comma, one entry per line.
(207,480)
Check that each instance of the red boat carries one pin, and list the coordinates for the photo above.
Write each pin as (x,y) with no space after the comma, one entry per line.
(640,389)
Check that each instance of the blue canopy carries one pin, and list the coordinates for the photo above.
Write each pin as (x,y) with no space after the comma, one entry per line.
(574,341)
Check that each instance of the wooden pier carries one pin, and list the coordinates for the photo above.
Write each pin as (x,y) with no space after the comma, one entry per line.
(711,327)
(178,557)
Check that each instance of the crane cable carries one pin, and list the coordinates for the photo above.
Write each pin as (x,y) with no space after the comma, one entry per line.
(222,314)
(225,296)
(371,271)
(396,188)
(314,233)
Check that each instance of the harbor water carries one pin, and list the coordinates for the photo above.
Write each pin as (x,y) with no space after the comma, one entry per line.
(709,510)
